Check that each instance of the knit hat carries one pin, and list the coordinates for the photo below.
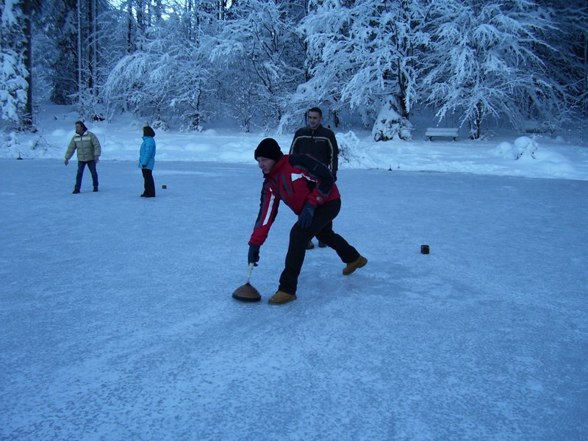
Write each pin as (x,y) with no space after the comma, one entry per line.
(268,148)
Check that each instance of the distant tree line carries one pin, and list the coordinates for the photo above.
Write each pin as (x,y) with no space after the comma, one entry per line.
(264,62)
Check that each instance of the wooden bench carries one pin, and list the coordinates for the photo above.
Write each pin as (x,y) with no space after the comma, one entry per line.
(441,132)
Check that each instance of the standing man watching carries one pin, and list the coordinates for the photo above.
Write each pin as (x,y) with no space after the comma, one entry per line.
(88,150)
(318,142)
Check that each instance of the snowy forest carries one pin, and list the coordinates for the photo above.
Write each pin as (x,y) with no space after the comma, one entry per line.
(262,63)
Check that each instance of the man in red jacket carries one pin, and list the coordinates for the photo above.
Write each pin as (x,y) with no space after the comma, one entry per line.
(306,186)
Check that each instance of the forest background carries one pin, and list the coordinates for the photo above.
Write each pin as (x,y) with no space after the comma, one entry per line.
(261,64)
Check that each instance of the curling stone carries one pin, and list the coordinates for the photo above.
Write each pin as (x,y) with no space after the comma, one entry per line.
(247,293)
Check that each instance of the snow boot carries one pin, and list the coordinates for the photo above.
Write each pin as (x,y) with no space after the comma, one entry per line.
(281,297)
(360,262)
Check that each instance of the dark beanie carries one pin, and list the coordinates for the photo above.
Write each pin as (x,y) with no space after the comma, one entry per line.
(268,148)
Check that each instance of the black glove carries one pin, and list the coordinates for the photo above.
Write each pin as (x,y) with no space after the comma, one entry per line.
(306,215)
(253,255)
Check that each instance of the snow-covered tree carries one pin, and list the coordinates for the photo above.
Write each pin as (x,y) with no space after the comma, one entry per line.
(13,89)
(70,60)
(257,57)
(16,99)
(166,79)
(184,62)
(88,54)
(58,51)
(568,64)
(389,124)
(367,57)
(483,61)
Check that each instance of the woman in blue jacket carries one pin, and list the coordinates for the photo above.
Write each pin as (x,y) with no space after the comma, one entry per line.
(147,161)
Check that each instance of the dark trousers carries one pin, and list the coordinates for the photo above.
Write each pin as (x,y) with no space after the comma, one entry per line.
(92,166)
(149,183)
(322,228)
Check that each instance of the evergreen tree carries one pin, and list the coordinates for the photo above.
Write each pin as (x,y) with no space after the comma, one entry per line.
(59,22)
(70,61)
(483,62)
(568,64)
(16,99)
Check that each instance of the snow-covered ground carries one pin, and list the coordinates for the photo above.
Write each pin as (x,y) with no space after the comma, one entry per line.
(117,320)
(503,152)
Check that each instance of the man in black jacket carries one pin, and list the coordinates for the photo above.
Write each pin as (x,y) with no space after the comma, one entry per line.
(318,142)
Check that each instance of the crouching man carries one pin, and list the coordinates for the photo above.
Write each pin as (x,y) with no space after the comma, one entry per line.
(308,188)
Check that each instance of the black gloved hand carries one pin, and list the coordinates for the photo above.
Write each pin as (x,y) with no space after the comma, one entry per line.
(306,215)
(253,255)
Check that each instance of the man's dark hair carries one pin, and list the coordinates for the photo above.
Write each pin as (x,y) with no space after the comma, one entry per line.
(81,123)
(317,110)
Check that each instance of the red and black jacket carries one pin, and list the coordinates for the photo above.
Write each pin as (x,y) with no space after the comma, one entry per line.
(296,180)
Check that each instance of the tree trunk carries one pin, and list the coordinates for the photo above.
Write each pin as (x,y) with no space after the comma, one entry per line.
(585,89)
(80,55)
(130,43)
(476,122)
(92,50)
(27,120)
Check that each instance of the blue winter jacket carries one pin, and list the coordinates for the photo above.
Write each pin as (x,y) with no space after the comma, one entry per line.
(147,153)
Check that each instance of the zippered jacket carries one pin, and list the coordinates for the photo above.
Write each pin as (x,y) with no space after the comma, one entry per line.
(319,143)
(147,153)
(296,180)
(87,147)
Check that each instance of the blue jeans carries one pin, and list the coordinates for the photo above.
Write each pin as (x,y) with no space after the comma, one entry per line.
(80,174)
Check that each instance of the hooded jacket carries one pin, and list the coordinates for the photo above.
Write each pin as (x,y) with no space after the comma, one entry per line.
(147,153)
(296,180)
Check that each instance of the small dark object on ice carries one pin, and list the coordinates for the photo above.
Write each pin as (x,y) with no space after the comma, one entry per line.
(247,293)
(425,249)
(164,186)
